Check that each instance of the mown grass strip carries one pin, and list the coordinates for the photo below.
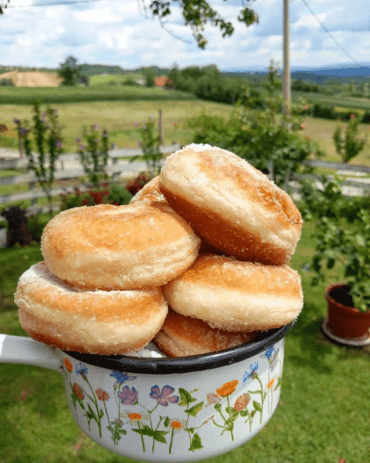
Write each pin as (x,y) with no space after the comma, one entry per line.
(27,96)
(333,100)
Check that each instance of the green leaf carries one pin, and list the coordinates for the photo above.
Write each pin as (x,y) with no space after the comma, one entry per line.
(186,398)
(330,263)
(167,421)
(159,436)
(145,431)
(92,413)
(278,384)
(196,443)
(257,406)
(193,411)
(233,413)
(123,431)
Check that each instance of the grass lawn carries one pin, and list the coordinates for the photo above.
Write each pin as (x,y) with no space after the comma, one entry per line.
(323,414)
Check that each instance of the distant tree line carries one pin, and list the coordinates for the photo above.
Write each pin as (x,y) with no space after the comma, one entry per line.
(300,85)
(207,83)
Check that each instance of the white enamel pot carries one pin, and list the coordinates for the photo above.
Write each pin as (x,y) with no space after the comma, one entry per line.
(166,409)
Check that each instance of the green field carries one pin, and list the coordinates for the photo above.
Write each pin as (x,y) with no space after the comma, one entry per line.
(334,100)
(119,119)
(26,96)
(123,110)
(114,79)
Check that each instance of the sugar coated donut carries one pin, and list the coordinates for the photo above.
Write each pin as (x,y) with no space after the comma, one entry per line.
(236,296)
(142,245)
(149,192)
(231,205)
(96,322)
(181,336)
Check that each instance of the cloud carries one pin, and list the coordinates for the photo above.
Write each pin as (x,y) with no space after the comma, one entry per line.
(121,33)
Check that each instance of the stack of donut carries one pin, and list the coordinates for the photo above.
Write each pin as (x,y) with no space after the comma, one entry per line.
(198,262)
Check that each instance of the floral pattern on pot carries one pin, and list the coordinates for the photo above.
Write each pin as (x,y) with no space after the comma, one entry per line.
(160,415)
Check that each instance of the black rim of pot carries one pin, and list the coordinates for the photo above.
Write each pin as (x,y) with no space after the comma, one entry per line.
(166,365)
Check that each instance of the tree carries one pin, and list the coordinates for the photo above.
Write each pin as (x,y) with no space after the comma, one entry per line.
(149,76)
(3,5)
(196,14)
(70,72)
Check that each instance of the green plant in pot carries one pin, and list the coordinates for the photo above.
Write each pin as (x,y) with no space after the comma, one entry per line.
(342,233)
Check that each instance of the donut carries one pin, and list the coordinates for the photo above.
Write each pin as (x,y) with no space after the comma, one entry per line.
(231,205)
(95,322)
(181,336)
(149,192)
(106,247)
(236,296)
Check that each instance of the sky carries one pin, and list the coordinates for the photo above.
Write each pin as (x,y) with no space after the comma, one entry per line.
(120,32)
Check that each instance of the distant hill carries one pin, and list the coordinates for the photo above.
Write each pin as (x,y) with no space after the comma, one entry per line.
(339,73)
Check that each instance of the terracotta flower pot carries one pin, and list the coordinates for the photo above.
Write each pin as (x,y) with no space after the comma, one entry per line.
(345,321)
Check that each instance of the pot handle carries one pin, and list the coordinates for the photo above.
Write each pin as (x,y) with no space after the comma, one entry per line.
(19,349)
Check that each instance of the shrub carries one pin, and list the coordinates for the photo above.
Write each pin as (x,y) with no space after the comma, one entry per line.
(76,199)
(94,154)
(6,83)
(150,144)
(263,137)
(46,132)
(366,118)
(337,241)
(324,112)
(136,184)
(129,81)
(347,142)
(118,195)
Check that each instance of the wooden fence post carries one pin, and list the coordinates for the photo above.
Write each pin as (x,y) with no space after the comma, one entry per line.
(160,127)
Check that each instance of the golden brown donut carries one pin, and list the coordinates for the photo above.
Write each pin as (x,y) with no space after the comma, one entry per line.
(236,296)
(231,205)
(149,192)
(95,322)
(181,336)
(142,245)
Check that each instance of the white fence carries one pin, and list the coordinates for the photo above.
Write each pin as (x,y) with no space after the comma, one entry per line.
(356,182)
(68,167)
(355,178)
